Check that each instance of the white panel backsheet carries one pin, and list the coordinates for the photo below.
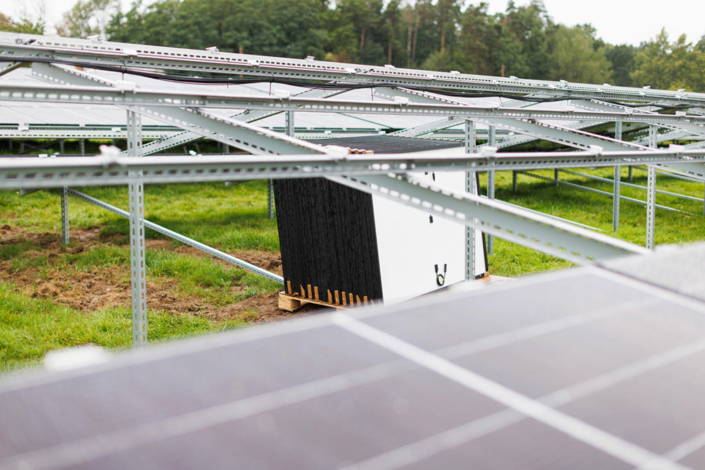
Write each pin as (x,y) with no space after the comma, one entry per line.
(411,248)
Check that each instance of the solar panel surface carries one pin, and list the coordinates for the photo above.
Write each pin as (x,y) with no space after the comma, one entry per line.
(576,369)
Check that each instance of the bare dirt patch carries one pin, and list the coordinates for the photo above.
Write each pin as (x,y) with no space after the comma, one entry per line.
(109,286)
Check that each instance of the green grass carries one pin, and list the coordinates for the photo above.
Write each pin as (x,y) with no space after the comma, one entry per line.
(234,219)
(231,219)
(32,327)
(596,211)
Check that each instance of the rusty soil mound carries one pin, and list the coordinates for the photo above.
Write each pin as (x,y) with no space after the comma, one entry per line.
(96,289)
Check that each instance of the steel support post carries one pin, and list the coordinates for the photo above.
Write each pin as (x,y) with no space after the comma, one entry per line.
(470,255)
(270,199)
(137,246)
(630,174)
(82,146)
(490,186)
(557,177)
(514,180)
(61,147)
(651,193)
(617,180)
(289,127)
(65,215)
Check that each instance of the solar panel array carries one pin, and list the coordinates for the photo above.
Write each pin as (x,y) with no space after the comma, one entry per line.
(581,369)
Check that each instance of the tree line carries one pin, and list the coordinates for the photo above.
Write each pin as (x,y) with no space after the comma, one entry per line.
(442,35)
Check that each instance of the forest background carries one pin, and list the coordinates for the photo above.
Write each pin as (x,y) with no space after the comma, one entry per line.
(440,35)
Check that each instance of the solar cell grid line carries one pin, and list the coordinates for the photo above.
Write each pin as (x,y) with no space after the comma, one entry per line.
(418,451)
(598,438)
(164,352)
(589,388)
(686,448)
(92,448)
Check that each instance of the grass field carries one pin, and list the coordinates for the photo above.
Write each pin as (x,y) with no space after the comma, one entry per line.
(53,296)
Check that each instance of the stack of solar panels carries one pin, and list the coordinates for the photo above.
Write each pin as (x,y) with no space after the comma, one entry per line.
(336,239)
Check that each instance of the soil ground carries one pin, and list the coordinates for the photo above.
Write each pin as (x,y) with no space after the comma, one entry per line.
(109,286)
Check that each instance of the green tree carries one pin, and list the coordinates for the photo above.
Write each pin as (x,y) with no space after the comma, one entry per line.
(87,17)
(478,40)
(153,26)
(522,41)
(577,57)
(673,66)
(30,18)
(622,60)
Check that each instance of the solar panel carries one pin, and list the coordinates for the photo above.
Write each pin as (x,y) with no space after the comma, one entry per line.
(579,369)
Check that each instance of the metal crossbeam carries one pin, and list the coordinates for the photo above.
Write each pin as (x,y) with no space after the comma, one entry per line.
(601,106)
(103,171)
(7,67)
(635,186)
(562,135)
(185,240)
(36,173)
(35,48)
(235,133)
(100,95)
(535,231)
(107,132)
(596,191)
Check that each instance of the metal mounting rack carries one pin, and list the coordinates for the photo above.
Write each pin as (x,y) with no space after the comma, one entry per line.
(399,92)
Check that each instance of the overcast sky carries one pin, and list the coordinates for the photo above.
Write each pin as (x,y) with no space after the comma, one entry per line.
(616,21)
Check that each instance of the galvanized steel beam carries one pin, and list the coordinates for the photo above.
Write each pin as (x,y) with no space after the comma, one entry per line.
(36,173)
(532,230)
(185,240)
(33,48)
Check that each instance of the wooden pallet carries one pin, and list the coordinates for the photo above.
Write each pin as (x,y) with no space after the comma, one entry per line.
(292,301)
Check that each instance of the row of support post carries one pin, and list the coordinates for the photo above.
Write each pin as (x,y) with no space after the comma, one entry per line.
(289,129)
(650,189)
